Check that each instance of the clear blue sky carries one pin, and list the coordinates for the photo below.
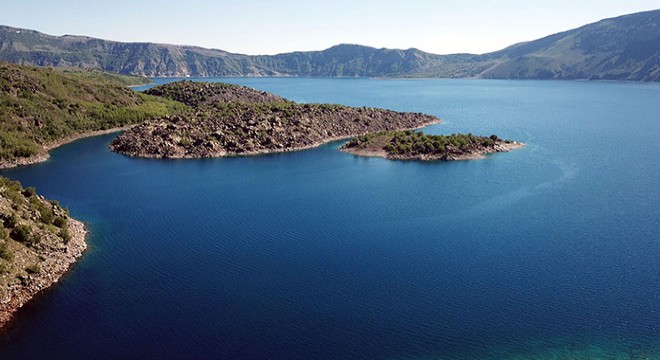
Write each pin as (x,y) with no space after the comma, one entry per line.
(275,26)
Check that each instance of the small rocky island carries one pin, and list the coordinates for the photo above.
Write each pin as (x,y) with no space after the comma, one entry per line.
(410,145)
(225,119)
(39,241)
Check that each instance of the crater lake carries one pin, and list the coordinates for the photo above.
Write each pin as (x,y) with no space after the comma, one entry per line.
(549,251)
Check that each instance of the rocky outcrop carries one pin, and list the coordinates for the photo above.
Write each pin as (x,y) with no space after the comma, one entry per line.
(38,244)
(57,260)
(219,126)
(246,129)
(198,94)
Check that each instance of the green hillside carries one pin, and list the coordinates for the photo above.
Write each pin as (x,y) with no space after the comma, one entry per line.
(41,106)
(106,76)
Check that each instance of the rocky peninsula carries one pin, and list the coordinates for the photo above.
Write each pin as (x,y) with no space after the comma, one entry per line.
(39,241)
(230,120)
(409,145)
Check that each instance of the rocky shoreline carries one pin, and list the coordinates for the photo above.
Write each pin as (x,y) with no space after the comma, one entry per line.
(406,145)
(470,155)
(230,120)
(44,156)
(138,144)
(58,260)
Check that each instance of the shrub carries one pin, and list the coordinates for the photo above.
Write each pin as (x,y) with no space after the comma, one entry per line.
(34,239)
(11,221)
(47,215)
(59,221)
(21,233)
(64,234)
(5,253)
(33,269)
(29,191)
(14,197)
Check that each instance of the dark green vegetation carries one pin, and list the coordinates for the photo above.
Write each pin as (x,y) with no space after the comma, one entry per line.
(405,142)
(228,119)
(409,145)
(623,48)
(106,76)
(40,107)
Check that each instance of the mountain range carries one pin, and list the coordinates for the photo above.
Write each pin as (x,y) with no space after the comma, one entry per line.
(621,48)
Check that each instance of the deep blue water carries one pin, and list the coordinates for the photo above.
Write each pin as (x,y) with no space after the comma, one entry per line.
(548,251)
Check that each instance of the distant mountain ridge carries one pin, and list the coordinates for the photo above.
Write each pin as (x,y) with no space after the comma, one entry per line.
(622,48)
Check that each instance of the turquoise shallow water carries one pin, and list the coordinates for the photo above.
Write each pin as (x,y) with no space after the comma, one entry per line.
(550,251)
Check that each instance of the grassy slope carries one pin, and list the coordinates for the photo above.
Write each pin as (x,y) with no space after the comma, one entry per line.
(41,106)
(106,76)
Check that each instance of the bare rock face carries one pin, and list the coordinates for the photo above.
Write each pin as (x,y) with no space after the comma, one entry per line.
(234,120)
(198,94)
(622,48)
